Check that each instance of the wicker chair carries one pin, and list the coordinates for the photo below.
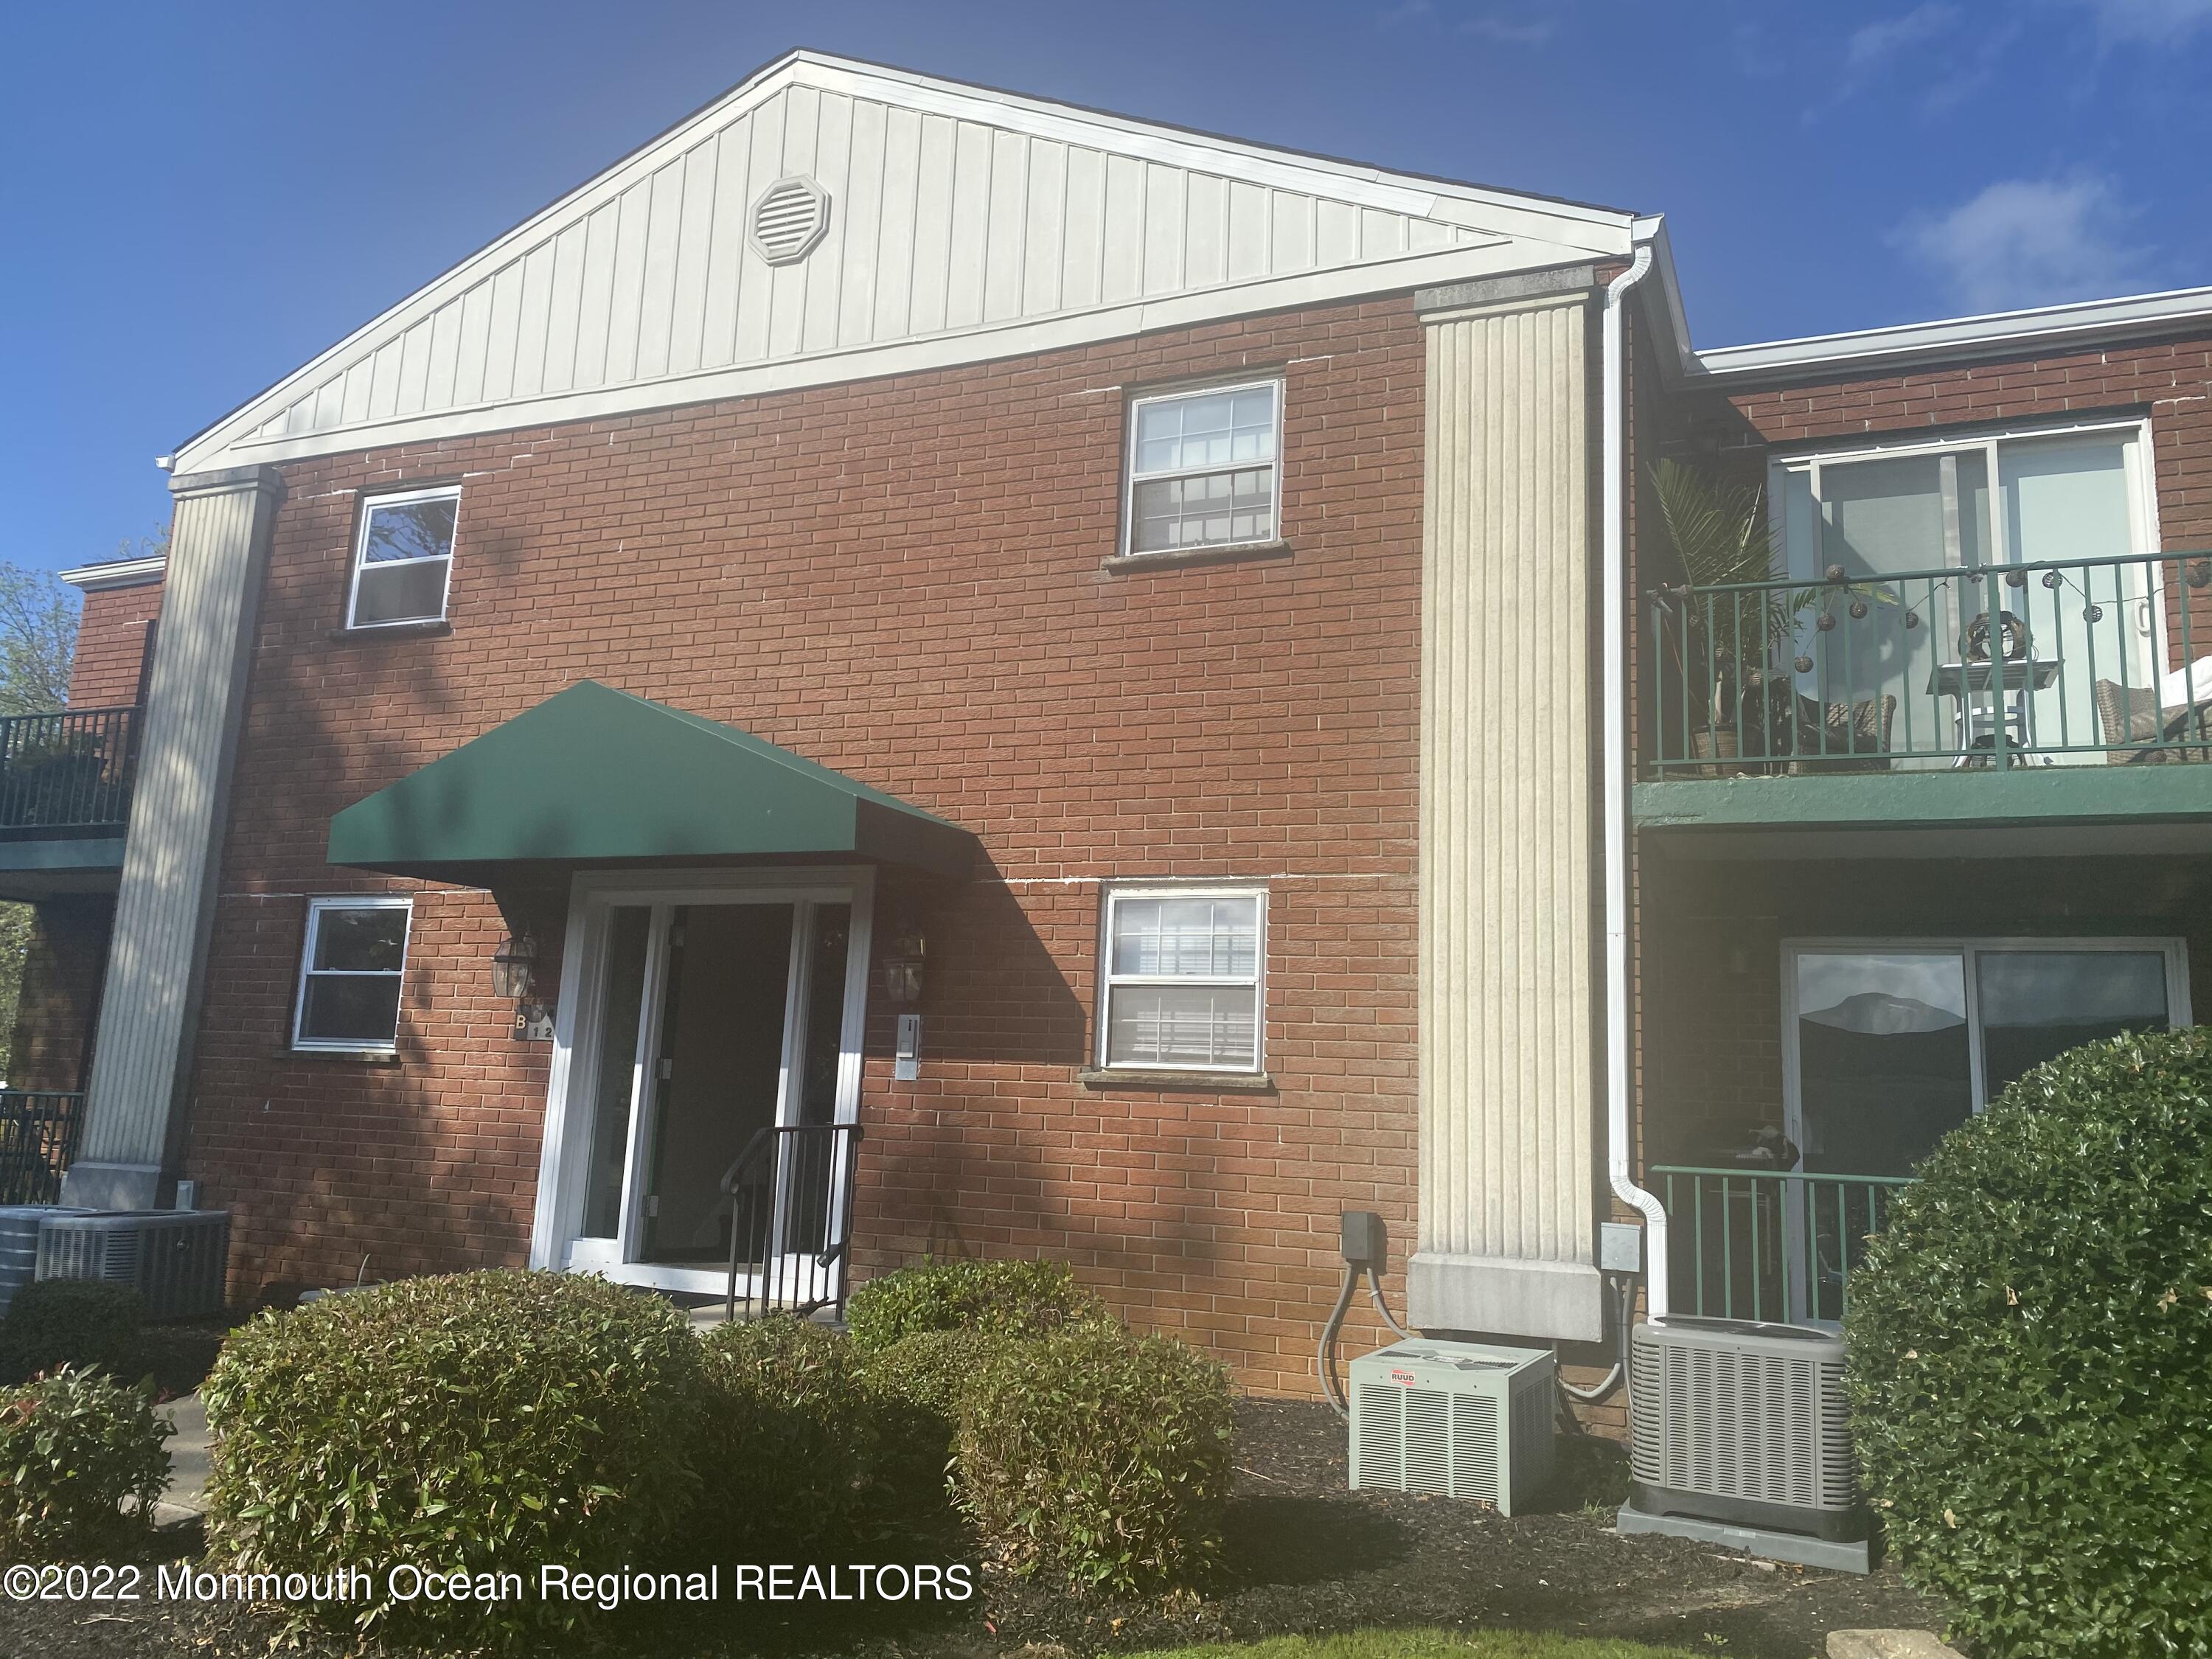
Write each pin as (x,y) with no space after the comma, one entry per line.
(1843,736)
(2140,732)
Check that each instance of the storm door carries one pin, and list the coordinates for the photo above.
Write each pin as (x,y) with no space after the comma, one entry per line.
(715,1040)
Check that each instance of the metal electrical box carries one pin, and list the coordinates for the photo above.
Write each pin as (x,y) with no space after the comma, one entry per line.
(1455,1419)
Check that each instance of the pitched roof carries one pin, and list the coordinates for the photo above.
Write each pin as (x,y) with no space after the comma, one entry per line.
(950,223)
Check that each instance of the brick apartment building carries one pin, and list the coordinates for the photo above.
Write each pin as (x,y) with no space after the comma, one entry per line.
(1146,672)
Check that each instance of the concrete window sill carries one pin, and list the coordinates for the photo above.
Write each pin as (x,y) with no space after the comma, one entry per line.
(1129,564)
(352,1056)
(396,631)
(1242,1083)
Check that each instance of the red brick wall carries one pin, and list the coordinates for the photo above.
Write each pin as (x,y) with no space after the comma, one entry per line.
(111,644)
(901,580)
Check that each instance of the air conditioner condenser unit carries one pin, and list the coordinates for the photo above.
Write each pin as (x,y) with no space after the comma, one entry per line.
(1738,1433)
(176,1259)
(19,1244)
(1454,1418)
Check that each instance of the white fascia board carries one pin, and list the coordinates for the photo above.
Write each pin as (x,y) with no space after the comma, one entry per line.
(1959,337)
(1589,230)
(116,573)
(986,344)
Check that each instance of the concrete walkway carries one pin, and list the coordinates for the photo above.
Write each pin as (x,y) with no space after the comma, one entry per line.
(188,1461)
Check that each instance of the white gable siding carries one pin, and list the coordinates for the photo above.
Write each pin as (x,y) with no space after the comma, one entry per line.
(951,214)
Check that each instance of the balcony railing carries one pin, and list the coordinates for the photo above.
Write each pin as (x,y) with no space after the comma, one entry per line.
(2097,661)
(791,1218)
(1778,1244)
(39,1131)
(67,772)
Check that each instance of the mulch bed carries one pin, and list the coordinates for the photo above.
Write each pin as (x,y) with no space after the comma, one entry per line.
(1305,1555)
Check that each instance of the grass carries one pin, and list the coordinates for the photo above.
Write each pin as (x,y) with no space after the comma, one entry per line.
(1424,1644)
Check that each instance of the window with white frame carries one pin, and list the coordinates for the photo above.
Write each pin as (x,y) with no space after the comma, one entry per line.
(1205,468)
(1182,986)
(350,974)
(402,557)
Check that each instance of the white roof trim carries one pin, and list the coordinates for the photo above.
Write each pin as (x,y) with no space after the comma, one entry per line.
(1955,336)
(1484,231)
(116,573)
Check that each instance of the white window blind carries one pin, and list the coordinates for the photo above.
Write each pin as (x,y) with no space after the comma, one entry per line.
(1182,980)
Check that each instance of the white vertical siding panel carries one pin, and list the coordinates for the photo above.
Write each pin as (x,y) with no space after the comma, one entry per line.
(384,380)
(1164,228)
(756,286)
(530,322)
(505,329)
(353,400)
(1336,233)
(1382,235)
(1041,242)
(563,306)
(445,354)
(1426,235)
(1247,231)
(1083,252)
(786,311)
(329,398)
(971,223)
(626,300)
(1507,1090)
(1290,242)
(694,247)
(727,253)
(863,212)
(596,296)
(1206,231)
(824,268)
(1122,269)
(932,224)
(476,333)
(894,236)
(414,367)
(1006,226)
(664,226)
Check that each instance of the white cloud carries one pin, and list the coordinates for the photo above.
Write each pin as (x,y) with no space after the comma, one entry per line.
(2029,242)
(1877,42)
(2147,23)
(1511,31)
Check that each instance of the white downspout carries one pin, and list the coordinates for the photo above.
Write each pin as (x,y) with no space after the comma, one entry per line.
(1615,761)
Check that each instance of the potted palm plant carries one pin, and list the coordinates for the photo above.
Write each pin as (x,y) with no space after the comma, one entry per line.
(1721,533)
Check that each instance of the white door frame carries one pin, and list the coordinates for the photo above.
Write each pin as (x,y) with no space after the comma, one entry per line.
(564,1157)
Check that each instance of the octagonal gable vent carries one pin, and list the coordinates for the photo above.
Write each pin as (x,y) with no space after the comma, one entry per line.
(789,219)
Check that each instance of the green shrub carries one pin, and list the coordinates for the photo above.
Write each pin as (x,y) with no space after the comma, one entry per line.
(479,1422)
(2030,1342)
(787,1449)
(81,1323)
(914,1389)
(74,1447)
(1020,1298)
(1097,1454)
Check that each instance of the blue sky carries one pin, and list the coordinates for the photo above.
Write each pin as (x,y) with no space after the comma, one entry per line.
(194,200)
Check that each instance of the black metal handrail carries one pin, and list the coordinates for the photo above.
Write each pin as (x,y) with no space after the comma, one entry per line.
(1996,665)
(1771,1244)
(71,770)
(791,1218)
(38,1130)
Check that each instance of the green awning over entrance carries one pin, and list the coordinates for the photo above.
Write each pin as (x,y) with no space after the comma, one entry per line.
(594,775)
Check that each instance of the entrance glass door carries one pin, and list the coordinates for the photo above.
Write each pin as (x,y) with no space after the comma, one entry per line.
(712,1048)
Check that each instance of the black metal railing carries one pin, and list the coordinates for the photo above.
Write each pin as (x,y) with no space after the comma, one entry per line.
(2061,662)
(1775,1244)
(70,771)
(791,1218)
(38,1130)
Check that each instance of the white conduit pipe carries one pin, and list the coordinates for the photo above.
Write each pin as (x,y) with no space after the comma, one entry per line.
(1615,761)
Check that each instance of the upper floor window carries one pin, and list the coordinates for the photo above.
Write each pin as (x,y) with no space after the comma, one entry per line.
(403,556)
(1181,986)
(1205,468)
(350,974)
